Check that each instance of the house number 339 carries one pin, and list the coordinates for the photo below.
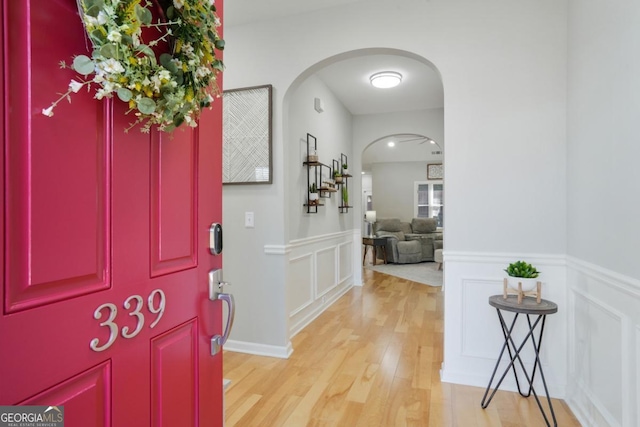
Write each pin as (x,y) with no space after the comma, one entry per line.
(135,304)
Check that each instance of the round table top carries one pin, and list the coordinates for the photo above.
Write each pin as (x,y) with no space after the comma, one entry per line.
(528,305)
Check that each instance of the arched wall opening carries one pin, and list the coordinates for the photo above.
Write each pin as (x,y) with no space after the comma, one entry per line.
(365,128)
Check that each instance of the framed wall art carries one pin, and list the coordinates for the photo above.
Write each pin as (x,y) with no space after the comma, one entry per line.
(246,136)
(435,171)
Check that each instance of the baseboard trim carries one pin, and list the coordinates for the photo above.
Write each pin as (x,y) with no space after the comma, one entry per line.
(281,352)
(317,311)
(556,391)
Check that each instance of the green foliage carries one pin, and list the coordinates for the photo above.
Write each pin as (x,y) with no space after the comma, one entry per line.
(313,188)
(345,166)
(522,269)
(165,91)
(345,195)
(337,174)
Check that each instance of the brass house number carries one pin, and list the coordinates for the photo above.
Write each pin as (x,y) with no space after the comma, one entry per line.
(135,304)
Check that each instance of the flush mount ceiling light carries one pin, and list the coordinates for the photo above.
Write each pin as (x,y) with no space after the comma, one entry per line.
(386,79)
(391,144)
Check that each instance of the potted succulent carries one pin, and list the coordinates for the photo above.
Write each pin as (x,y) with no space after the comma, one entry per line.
(337,176)
(345,169)
(523,273)
(313,194)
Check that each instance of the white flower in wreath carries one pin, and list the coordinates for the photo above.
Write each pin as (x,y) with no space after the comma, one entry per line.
(187,49)
(114,36)
(116,32)
(202,72)
(75,86)
(109,10)
(109,66)
(101,93)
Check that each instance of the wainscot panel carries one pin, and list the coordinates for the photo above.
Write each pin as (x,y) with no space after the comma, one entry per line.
(473,336)
(331,278)
(604,342)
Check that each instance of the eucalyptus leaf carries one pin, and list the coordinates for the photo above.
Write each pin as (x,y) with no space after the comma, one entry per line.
(143,15)
(179,77)
(170,12)
(93,11)
(165,59)
(83,65)
(178,120)
(143,48)
(124,94)
(167,62)
(126,39)
(218,65)
(92,3)
(219,44)
(98,36)
(146,106)
(109,50)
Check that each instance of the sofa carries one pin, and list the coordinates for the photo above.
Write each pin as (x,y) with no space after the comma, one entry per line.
(409,242)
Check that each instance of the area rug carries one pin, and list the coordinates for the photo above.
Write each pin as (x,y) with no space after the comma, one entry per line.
(424,272)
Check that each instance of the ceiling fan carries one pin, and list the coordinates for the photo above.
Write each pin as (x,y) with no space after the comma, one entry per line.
(413,137)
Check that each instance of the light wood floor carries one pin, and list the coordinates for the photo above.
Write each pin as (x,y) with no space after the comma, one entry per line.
(372,359)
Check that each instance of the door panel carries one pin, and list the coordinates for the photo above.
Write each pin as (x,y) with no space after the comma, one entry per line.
(104,244)
(58,243)
(174,173)
(174,377)
(86,397)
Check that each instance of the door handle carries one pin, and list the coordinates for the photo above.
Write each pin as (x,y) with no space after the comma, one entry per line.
(215,285)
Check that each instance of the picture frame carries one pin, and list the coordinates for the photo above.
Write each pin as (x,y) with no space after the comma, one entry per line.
(435,171)
(246,136)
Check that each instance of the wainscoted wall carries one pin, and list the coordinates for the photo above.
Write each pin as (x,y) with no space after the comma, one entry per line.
(604,345)
(318,271)
(473,336)
(321,270)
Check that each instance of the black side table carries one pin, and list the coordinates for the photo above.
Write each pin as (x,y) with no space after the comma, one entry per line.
(529,307)
(375,242)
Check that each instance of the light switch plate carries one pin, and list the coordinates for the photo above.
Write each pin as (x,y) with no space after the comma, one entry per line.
(248,220)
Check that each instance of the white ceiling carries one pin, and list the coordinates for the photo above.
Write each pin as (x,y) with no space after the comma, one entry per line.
(239,12)
(348,79)
(408,148)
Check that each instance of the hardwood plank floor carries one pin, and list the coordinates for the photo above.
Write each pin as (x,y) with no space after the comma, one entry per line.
(371,359)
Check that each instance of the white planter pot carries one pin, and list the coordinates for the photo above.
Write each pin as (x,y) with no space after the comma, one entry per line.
(313,196)
(527,284)
(345,171)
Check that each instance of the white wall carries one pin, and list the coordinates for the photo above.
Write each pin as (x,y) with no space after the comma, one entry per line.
(603,228)
(332,129)
(503,66)
(393,185)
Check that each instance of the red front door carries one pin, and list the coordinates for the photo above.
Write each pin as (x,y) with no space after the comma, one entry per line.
(105,304)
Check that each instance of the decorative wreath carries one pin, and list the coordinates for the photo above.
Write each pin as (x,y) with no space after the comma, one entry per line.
(166,91)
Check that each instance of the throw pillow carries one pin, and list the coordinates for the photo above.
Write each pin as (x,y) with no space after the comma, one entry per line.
(424,225)
(391,224)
